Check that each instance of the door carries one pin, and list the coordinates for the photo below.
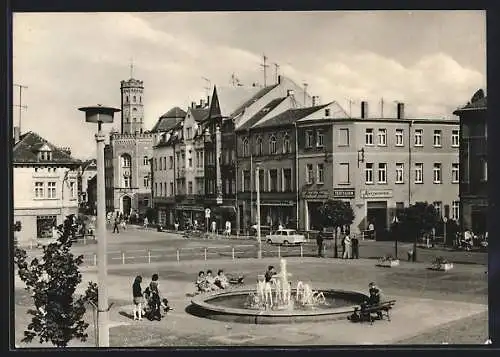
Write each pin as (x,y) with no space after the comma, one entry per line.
(127,205)
(376,213)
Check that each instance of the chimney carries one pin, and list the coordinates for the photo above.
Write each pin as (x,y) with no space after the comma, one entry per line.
(364,110)
(193,105)
(202,103)
(279,79)
(208,100)
(315,100)
(290,93)
(401,110)
(17,134)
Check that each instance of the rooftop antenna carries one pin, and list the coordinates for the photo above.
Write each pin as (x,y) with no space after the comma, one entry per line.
(305,92)
(264,65)
(276,71)
(20,105)
(208,85)
(351,102)
(131,68)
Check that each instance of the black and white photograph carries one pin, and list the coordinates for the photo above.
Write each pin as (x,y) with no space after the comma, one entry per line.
(249,179)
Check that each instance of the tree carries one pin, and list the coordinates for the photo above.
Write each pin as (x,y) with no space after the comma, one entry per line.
(57,313)
(335,213)
(417,220)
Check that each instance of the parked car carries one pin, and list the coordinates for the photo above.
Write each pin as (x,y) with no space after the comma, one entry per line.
(285,236)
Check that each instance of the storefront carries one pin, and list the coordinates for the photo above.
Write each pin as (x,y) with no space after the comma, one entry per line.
(313,200)
(273,213)
(186,215)
(377,211)
(44,226)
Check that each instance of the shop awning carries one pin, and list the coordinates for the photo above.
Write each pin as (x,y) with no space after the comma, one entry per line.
(224,210)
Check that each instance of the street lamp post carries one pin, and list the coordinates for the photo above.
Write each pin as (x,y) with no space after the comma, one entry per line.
(100,114)
(257,191)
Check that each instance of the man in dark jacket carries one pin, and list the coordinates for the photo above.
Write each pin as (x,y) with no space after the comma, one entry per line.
(319,240)
(355,247)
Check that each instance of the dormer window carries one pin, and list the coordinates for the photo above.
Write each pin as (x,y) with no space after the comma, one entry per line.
(45,153)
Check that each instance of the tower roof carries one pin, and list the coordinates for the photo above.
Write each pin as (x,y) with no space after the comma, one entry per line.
(175,112)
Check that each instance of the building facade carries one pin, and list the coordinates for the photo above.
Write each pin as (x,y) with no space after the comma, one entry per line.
(379,165)
(87,172)
(474,164)
(45,186)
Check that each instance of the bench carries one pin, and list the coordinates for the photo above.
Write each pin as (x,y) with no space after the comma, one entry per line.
(372,312)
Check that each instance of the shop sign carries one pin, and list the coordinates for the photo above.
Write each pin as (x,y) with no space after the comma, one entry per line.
(315,195)
(277,203)
(189,208)
(344,193)
(376,193)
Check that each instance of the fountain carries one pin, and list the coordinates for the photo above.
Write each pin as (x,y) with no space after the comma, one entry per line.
(276,302)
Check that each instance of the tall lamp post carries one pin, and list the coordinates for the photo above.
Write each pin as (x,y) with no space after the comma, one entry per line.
(257,191)
(100,114)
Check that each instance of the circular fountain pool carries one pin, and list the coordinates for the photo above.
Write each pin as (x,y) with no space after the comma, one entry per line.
(232,306)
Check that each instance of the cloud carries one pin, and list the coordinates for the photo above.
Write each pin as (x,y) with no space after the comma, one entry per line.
(72,60)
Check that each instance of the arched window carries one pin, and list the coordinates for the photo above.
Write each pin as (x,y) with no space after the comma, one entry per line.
(145,161)
(272,145)
(134,99)
(135,120)
(126,99)
(245,147)
(134,109)
(259,146)
(286,144)
(126,160)
(140,99)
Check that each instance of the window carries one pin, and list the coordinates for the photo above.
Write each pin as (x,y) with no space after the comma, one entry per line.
(161,189)
(382,137)
(309,138)
(309,173)
(286,144)
(438,207)
(189,133)
(455,138)
(156,165)
(369,137)
(246,181)
(126,99)
(190,187)
(126,160)
(146,181)
(170,162)
(320,137)
(343,137)
(172,189)
(320,173)
(39,192)
(51,189)
(455,210)
(484,170)
(273,180)
(233,185)
(418,137)
(419,173)
(369,172)
(261,180)
(399,137)
(156,189)
(190,162)
(400,172)
(382,173)
(287,180)
(437,173)
(327,112)
(455,173)
(344,173)
(437,138)
(245,147)
(126,182)
(134,99)
(259,146)
(272,145)
(145,161)
(72,189)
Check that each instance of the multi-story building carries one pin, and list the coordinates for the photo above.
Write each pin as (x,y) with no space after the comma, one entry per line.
(87,171)
(474,164)
(165,132)
(380,165)
(127,165)
(230,110)
(45,186)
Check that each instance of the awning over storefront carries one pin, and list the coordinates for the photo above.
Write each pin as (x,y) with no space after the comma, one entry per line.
(224,210)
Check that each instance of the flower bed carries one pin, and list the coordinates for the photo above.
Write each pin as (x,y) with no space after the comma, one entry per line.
(388,262)
(441,264)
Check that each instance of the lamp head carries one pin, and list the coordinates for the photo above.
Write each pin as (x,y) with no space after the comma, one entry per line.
(99,114)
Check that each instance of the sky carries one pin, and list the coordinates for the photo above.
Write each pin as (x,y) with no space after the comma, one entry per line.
(433,61)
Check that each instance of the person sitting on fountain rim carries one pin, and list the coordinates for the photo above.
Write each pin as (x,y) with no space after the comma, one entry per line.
(269,274)
(221,280)
(201,282)
(210,280)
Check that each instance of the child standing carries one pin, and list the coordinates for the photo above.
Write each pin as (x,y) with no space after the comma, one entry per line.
(138,298)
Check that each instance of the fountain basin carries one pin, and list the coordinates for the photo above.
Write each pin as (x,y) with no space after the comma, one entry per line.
(229,306)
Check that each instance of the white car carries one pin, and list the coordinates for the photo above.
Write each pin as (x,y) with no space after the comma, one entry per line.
(285,236)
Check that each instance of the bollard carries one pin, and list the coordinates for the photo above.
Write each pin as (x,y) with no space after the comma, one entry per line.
(123,258)
(205,253)
(95,259)
(233,252)
(149,257)
(178,256)
(279,251)
(301,251)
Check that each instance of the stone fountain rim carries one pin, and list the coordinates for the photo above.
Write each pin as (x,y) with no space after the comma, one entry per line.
(201,301)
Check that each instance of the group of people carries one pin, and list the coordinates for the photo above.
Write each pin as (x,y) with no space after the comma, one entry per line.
(350,245)
(208,282)
(149,303)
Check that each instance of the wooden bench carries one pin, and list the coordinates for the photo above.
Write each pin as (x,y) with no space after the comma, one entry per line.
(372,312)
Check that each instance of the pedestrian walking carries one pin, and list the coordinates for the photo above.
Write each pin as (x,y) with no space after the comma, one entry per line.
(371,231)
(137,298)
(115,227)
(123,223)
(348,247)
(319,242)
(355,247)
(146,222)
(214,227)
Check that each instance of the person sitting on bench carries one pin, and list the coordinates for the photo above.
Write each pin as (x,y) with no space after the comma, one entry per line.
(375,298)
